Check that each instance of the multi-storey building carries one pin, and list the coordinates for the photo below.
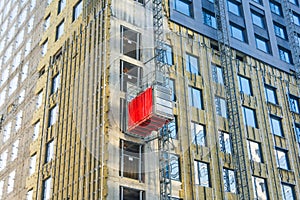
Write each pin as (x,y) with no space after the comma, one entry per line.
(235,133)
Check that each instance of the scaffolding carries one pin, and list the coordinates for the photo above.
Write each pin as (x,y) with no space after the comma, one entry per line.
(226,57)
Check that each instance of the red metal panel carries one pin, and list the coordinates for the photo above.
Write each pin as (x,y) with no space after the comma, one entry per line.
(140,108)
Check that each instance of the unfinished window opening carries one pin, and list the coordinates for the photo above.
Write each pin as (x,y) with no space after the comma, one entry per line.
(131,160)
(130,76)
(130,43)
(131,194)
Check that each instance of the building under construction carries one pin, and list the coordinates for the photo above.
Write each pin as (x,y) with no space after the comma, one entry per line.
(150,99)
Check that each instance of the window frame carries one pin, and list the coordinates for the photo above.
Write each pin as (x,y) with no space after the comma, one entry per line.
(285,55)
(53,113)
(280,31)
(245,85)
(284,152)
(225,142)
(291,187)
(255,153)
(132,37)
(191,60)
(49,151)
(234,7)
(198,173)
(262,44)
(217,74)
(61,6)
(189,11)
(253,116)
(255,187)
(192,90)
(274,118)
(77,10)
(209,19)
(227,175)
(125,169)
(276,8)
(271,94)
(237,32)
(201,141)
(59,30)
(294,104)
(122,196)
(221,107)
(46,188)
(258,19)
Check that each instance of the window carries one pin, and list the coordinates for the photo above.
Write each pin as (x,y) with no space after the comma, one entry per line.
(275,8)
(172,87)
(36,129)
(294,104)
(131,194)
(288,192)
(245,85)
(285,55)
(259,188)
(258,1)
(192,65)
(225,142)
(201,173)
(217,74)
(131,160)
(52,116)
(198,134)
(167,55)
(44,48)
(19,120)
(271,94)
(175,168)
(11,181)
(140,1)
(29,195)
(47,22)
(209,19)
(254,151)
(61,5)
(282,159)
(6,132)
(249,117)
(221,106)
(49,151)
(184,7)
(297,129)
(77,10)
(130,43)
(195,97)
(32,163)
(229,180)
(295,2)
(24,72)
(3,159)
(59,30)
(13,85)
(39,99)
(46,190)
(130,76)
(296,19)
(262,44)
(258,19)
(237,32)
(280,31)
(172,126)
(14,150)
(234,8)
(55,83)
(276,126)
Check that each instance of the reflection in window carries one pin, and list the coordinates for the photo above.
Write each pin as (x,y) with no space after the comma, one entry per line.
(245,85)
(225,142)
(297,129)
(198,134)
(217,74)
(184,6)
(282,159)
(172,127)
(271,94)
(46,189)
(229,180)
(262,44)
(288,192)
(77,10)
(192,65)
(280,31)
(276,126)
(167,55)
(195,97)
(294,104)
(259,188)
(258,19)
(173,89)
(175,168)
(249,117)
(221,106)
(209,19)
(275,8)
(285,55)
(254,151)
(234,8)
(237,32)
(201,173)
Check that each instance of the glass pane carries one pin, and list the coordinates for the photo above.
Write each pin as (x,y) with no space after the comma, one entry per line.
(245,85)
(249,117)
(260,188)
(184,7)
(282,161)
(233,8)
(198,133)
(254,151)
(276,126)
